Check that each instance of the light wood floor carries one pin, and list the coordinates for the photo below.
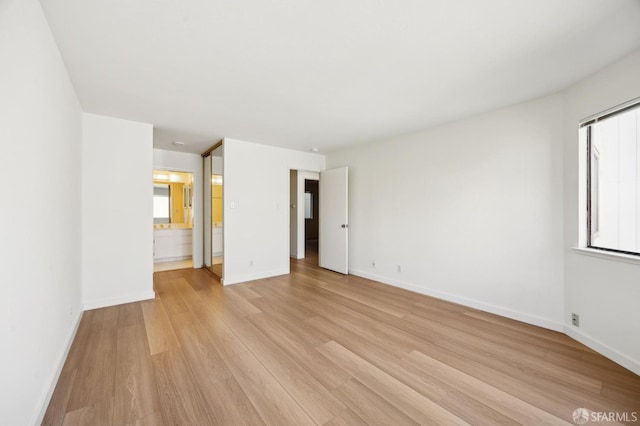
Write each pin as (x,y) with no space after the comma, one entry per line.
(171,266)
(320,348)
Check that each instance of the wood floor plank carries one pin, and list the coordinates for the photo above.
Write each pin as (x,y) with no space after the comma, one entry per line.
(181,401)
(245,292)
(616,378)
(343,332)
(542,393)
(376,304)
(507,404)
(185,291)
(224,308)
(441,392)
(135,388)
(295,323)
(452,329)
(130,314)
(415,405)
(57,408)
(346,418)
(310,394)
(271,400)
(629,398)
(240,303)
(298,348)
(369,406)
(160,333)
(533,367)
(200,352)
(153,419)
(95,380)
(227,343)
(171,300)
(228,404)
(98,414)
(361,324)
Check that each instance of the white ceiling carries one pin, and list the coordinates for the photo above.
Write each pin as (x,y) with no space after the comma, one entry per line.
(327,73)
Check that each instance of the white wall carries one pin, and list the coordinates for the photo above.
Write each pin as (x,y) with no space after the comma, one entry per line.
(256,229)
(40,157)
(117,218)
(604,292)
(185,162)
(471,211)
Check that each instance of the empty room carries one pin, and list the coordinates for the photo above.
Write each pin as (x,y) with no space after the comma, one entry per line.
(330,213)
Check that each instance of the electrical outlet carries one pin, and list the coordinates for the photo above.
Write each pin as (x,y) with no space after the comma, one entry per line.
(399,268)
(575,320)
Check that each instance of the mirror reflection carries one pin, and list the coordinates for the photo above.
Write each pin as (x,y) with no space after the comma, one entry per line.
(172,199)
(217,251)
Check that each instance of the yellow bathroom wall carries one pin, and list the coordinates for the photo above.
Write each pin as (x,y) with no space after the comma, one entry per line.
(216,203)
(177,206)
(216,191)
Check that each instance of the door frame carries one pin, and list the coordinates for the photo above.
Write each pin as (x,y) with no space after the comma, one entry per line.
(298,205)
(196,217)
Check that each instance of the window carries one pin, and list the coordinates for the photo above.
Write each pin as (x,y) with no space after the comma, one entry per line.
(613,180)
(161,204)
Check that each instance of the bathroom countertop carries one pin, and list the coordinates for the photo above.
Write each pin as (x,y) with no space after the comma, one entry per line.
(170,226)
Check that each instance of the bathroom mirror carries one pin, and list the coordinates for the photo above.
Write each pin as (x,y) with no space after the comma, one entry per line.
(172,199)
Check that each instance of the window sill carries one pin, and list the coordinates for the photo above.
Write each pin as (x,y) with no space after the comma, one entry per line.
(619,257)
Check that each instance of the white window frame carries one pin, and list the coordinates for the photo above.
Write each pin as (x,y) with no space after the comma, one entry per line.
(584,169)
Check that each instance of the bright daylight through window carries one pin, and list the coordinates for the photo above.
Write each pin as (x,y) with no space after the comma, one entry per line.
(613,180)
(161,201)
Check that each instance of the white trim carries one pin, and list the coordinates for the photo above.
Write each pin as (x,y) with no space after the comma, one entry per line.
(603,349)
(609,255)
(196,264)
(498,310)
(255,276)
(53,381)
(112,301)
(171,259)
(631,103)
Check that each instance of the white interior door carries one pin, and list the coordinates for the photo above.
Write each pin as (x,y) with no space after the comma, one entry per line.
(334,224)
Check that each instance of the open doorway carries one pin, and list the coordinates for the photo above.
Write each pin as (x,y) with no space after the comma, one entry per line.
(304,203)
(172,220)
(311,217)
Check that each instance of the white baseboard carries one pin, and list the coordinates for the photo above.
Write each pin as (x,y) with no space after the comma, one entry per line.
(53,380)
(604,349)
(255,276)
(498,310)
(102,303)
(171,259)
